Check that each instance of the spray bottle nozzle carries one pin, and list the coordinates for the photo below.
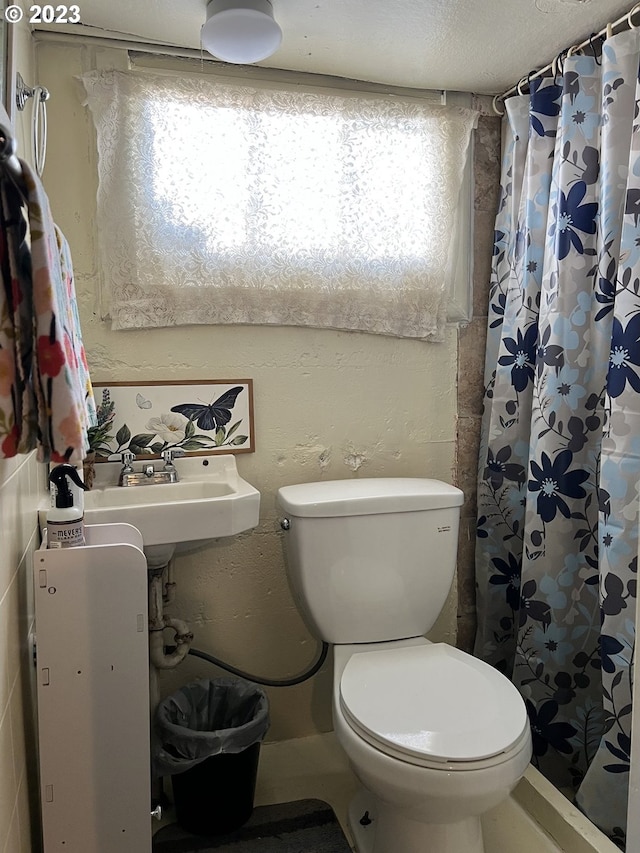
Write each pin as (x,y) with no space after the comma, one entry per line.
(58,477)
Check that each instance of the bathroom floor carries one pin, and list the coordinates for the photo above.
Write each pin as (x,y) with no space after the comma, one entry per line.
(301,826)
(315,768)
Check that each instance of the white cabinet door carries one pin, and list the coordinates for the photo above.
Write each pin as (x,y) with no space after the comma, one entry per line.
(93,693)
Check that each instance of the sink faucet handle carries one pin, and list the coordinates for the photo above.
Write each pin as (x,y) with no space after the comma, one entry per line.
(170,455)
(126,457)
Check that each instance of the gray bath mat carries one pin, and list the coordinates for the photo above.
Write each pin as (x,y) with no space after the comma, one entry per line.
(305,826)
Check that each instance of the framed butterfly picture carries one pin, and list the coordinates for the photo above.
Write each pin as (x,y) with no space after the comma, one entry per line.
(198,418)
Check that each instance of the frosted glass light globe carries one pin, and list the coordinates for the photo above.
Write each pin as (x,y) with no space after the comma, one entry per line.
(240,31)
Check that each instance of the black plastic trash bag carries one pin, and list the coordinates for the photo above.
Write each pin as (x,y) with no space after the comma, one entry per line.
(207,718)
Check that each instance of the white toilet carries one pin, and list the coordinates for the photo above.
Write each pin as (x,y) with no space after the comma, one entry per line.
(435,736)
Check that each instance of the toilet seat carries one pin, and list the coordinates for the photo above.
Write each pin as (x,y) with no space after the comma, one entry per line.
(431,705)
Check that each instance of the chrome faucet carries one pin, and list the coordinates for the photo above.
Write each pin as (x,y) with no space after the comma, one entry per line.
(148,475)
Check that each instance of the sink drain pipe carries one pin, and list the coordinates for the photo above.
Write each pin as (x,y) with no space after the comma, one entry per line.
(158,657)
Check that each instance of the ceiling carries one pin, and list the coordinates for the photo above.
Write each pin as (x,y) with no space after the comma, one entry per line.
(482,46)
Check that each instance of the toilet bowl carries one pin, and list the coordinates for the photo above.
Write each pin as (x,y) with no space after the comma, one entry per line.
(435,736)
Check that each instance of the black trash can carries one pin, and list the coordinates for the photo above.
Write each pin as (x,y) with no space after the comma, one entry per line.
(208,737)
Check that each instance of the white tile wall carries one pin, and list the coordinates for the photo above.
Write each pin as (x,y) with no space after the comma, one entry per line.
(21,483)
(20,491)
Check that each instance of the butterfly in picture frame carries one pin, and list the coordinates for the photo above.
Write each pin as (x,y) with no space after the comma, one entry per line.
(214,415)
(142,402)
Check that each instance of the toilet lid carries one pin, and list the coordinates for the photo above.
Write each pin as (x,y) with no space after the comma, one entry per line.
(431,702)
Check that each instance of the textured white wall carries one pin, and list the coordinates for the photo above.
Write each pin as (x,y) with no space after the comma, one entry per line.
(327,405)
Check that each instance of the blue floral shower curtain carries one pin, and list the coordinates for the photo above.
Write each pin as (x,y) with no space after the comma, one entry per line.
(559,467)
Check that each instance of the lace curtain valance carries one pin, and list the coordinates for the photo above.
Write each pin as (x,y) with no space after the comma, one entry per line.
(229,203)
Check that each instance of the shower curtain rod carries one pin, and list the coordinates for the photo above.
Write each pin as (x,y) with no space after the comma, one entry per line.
(605,32)
(8,160)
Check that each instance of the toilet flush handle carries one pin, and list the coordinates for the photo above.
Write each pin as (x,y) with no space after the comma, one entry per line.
(285,524)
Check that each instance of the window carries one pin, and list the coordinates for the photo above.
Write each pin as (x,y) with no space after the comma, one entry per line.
(222,202)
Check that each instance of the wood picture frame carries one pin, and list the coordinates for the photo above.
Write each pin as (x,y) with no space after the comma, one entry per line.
(197,417)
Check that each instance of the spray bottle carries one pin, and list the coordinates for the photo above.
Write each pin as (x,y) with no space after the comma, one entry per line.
(65,520)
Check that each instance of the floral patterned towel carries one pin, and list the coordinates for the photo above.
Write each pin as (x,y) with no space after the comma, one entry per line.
(46,399)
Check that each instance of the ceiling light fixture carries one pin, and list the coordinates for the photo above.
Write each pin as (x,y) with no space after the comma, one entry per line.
(240,31)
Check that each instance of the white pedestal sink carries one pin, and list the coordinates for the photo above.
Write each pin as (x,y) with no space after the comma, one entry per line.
(210,500)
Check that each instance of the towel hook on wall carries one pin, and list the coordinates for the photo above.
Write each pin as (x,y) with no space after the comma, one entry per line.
(39,135)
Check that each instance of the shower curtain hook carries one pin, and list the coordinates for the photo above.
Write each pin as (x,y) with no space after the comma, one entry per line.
(497,98)
(561,60)
(521,84)
(598,59)
(609,30)
(630,23)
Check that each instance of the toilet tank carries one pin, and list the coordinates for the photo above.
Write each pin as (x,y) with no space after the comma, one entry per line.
(370,560)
